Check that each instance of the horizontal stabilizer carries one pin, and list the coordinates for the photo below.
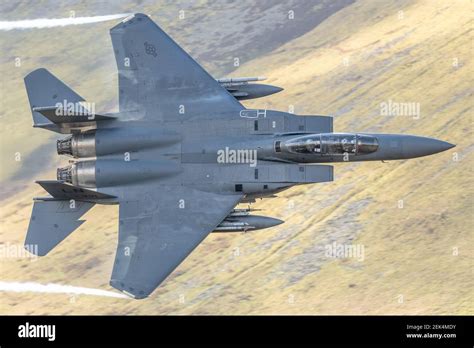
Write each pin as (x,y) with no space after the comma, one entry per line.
(62,190)
(77,114)
(44,88)
(51,222)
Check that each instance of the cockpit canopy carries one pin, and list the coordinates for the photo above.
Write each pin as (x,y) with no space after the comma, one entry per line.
(333,144)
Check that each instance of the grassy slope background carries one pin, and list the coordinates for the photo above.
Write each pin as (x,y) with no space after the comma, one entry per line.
(401,56)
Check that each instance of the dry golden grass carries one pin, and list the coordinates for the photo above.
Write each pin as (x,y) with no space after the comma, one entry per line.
(408,251)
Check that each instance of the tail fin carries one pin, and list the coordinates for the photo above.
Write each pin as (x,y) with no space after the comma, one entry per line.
(51,222)
(44,89)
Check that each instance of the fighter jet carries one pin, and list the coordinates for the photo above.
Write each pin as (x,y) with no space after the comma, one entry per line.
(180,154)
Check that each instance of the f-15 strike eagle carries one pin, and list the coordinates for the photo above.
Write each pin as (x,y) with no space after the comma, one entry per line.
(179,155)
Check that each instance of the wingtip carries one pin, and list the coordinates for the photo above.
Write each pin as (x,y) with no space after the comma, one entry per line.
(136,295)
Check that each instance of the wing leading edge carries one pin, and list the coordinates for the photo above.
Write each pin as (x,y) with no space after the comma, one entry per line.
(158,80)
(158,229)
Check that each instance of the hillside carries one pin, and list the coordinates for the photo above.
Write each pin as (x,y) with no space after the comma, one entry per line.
(414,218)
(82,56)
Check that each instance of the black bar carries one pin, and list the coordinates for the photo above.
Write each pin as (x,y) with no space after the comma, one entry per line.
(288,330)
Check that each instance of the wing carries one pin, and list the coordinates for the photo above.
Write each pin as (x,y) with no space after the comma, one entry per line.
(158,80)
(158,229)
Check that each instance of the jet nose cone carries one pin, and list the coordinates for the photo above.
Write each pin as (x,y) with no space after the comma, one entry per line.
(414,146)
(277,221)
(447,145)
